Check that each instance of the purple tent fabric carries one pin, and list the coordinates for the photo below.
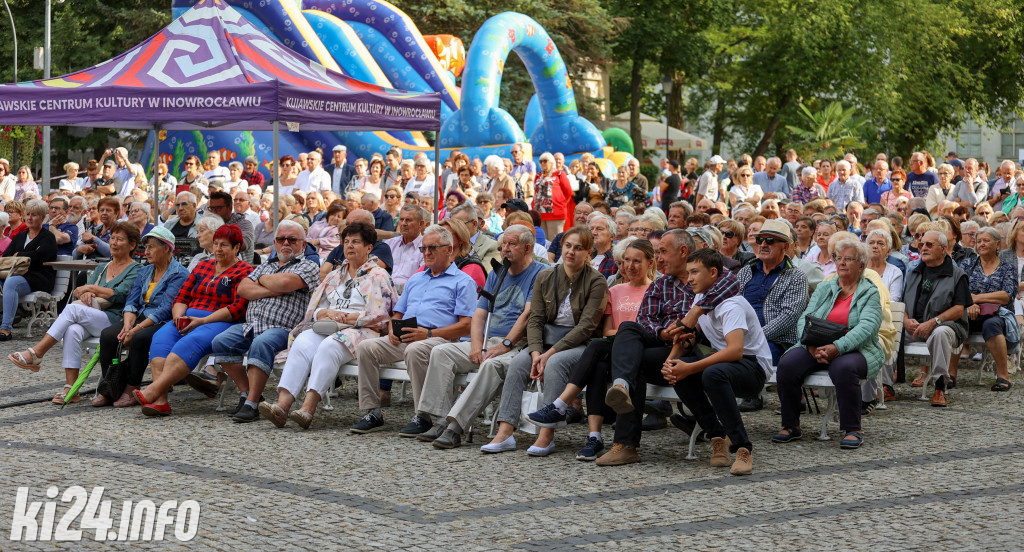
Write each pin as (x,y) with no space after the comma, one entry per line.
(211,69)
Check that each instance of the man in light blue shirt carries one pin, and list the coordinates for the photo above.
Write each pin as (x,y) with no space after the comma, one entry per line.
(846,188)
(442,300)
(506,337)
(771,181)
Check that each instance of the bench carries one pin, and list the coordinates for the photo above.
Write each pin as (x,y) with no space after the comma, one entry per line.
(973,341)
(42,306)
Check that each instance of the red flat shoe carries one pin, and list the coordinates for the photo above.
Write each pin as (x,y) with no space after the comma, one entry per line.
(137,393)
(156,410)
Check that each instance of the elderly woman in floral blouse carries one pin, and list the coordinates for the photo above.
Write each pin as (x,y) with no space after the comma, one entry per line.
(349,306)
(993,284)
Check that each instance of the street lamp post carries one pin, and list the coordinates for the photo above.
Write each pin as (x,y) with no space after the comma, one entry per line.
(46,75)
(666,89)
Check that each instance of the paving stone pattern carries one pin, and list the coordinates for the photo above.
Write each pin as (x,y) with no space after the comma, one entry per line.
(925,479)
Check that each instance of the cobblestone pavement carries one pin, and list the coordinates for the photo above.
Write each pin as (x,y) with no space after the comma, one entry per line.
(926,479)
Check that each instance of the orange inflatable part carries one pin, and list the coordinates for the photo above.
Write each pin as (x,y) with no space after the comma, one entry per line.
(450,51)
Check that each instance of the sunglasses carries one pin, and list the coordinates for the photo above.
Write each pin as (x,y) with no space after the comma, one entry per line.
(289,241)
(762,240)
(391,196)
(431,248)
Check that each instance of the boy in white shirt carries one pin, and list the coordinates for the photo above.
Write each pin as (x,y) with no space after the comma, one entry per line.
(740,366)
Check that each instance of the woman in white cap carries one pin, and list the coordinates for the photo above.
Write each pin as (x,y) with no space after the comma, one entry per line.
(98,306)
(147,308)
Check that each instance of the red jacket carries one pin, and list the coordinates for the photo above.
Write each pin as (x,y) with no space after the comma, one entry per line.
(552,196)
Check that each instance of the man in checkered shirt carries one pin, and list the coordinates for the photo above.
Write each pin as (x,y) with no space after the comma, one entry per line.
(278,292)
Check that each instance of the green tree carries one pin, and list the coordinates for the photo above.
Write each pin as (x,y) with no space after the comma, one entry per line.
(83,33)
(828,133)
(915,68)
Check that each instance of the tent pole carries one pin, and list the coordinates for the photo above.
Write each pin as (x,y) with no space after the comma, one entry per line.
(276,170)
(152,163)
(437,173)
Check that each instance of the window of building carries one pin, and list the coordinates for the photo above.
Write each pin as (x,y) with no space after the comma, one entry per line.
(1012,139)
(968,143)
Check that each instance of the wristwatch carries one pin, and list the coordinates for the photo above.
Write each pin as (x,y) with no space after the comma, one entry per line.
(430,332)
(938,321)
(506,343)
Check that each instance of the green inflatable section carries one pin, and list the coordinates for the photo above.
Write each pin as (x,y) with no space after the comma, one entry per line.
(618,139)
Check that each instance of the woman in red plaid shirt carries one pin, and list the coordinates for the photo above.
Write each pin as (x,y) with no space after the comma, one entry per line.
(207,304)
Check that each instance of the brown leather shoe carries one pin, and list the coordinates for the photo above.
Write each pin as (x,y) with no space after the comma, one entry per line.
(720,452)
(919,381)
(939,398)
(619,455)
(744,464)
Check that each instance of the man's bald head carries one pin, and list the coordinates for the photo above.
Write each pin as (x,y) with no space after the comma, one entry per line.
(360,215)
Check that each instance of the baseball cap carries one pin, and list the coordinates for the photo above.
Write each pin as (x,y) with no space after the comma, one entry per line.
(516,205)
(162,234)
(701,233)
(774,228)
(110,163)
(956,163)
(674,163)
(716,160)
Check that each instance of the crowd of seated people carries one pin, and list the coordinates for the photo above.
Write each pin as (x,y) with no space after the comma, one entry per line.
(753,272)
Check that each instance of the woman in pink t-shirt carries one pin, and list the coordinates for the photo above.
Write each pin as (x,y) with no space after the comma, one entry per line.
(593,368)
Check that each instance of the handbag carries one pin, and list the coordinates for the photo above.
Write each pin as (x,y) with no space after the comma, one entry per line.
(554,333)
(329,327)
(14,266)
(819,332)
(98,303)
(532,401)
(987,309)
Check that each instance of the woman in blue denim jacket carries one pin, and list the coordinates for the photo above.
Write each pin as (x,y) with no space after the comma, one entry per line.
(147,308)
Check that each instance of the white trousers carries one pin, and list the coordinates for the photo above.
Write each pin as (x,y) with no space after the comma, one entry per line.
(314,356)
(75,324)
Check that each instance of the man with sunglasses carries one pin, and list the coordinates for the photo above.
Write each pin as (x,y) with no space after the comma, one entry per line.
(221,204)
(183,226)
(937,294)
(777,290)
(442,300)
(278,292)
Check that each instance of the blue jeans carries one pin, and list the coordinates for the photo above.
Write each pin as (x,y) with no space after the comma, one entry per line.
(191,347)
(233,344)
(14,288)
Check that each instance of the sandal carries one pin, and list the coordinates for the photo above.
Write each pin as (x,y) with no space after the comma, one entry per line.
(919,381)
(852,440)
(1002,385)
(19,360)
(59,397)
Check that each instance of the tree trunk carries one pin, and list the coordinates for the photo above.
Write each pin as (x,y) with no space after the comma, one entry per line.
(636,91)
(719,128)
(675,112)
(773,126)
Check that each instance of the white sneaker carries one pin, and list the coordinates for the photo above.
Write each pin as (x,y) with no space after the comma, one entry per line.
(504,446)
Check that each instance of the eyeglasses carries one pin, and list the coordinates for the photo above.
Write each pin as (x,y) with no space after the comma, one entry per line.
(239,200)
(289,241)
(189,164)
(762,240)
(844,260)
(349,286)
(182,204)
(431,248)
